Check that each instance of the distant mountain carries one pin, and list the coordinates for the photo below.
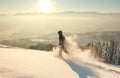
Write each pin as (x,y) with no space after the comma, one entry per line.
(63,13)
(77,12)
(69,13)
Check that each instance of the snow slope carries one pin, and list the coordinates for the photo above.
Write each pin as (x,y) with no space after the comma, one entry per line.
(22,63)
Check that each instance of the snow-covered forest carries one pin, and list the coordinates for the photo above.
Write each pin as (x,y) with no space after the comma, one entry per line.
(108,51)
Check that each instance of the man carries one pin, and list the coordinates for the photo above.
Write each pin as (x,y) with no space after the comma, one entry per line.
(61,43)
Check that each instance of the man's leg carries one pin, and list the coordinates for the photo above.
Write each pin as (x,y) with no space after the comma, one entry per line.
(60,51)
(66,51)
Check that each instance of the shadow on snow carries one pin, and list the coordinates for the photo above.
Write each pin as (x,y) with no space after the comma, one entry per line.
(82,71)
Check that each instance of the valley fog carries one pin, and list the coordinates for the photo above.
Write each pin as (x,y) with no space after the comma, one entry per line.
(67,22)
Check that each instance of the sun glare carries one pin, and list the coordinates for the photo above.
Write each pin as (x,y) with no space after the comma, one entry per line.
(45,6)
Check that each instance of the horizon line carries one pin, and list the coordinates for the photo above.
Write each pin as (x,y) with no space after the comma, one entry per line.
(60,12)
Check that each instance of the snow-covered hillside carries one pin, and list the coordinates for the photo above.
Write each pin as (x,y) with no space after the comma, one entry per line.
(23,63)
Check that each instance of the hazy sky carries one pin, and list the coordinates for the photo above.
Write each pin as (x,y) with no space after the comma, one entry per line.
(49,23)
(60,5)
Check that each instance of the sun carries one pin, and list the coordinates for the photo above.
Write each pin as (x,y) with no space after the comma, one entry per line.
(45,6)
